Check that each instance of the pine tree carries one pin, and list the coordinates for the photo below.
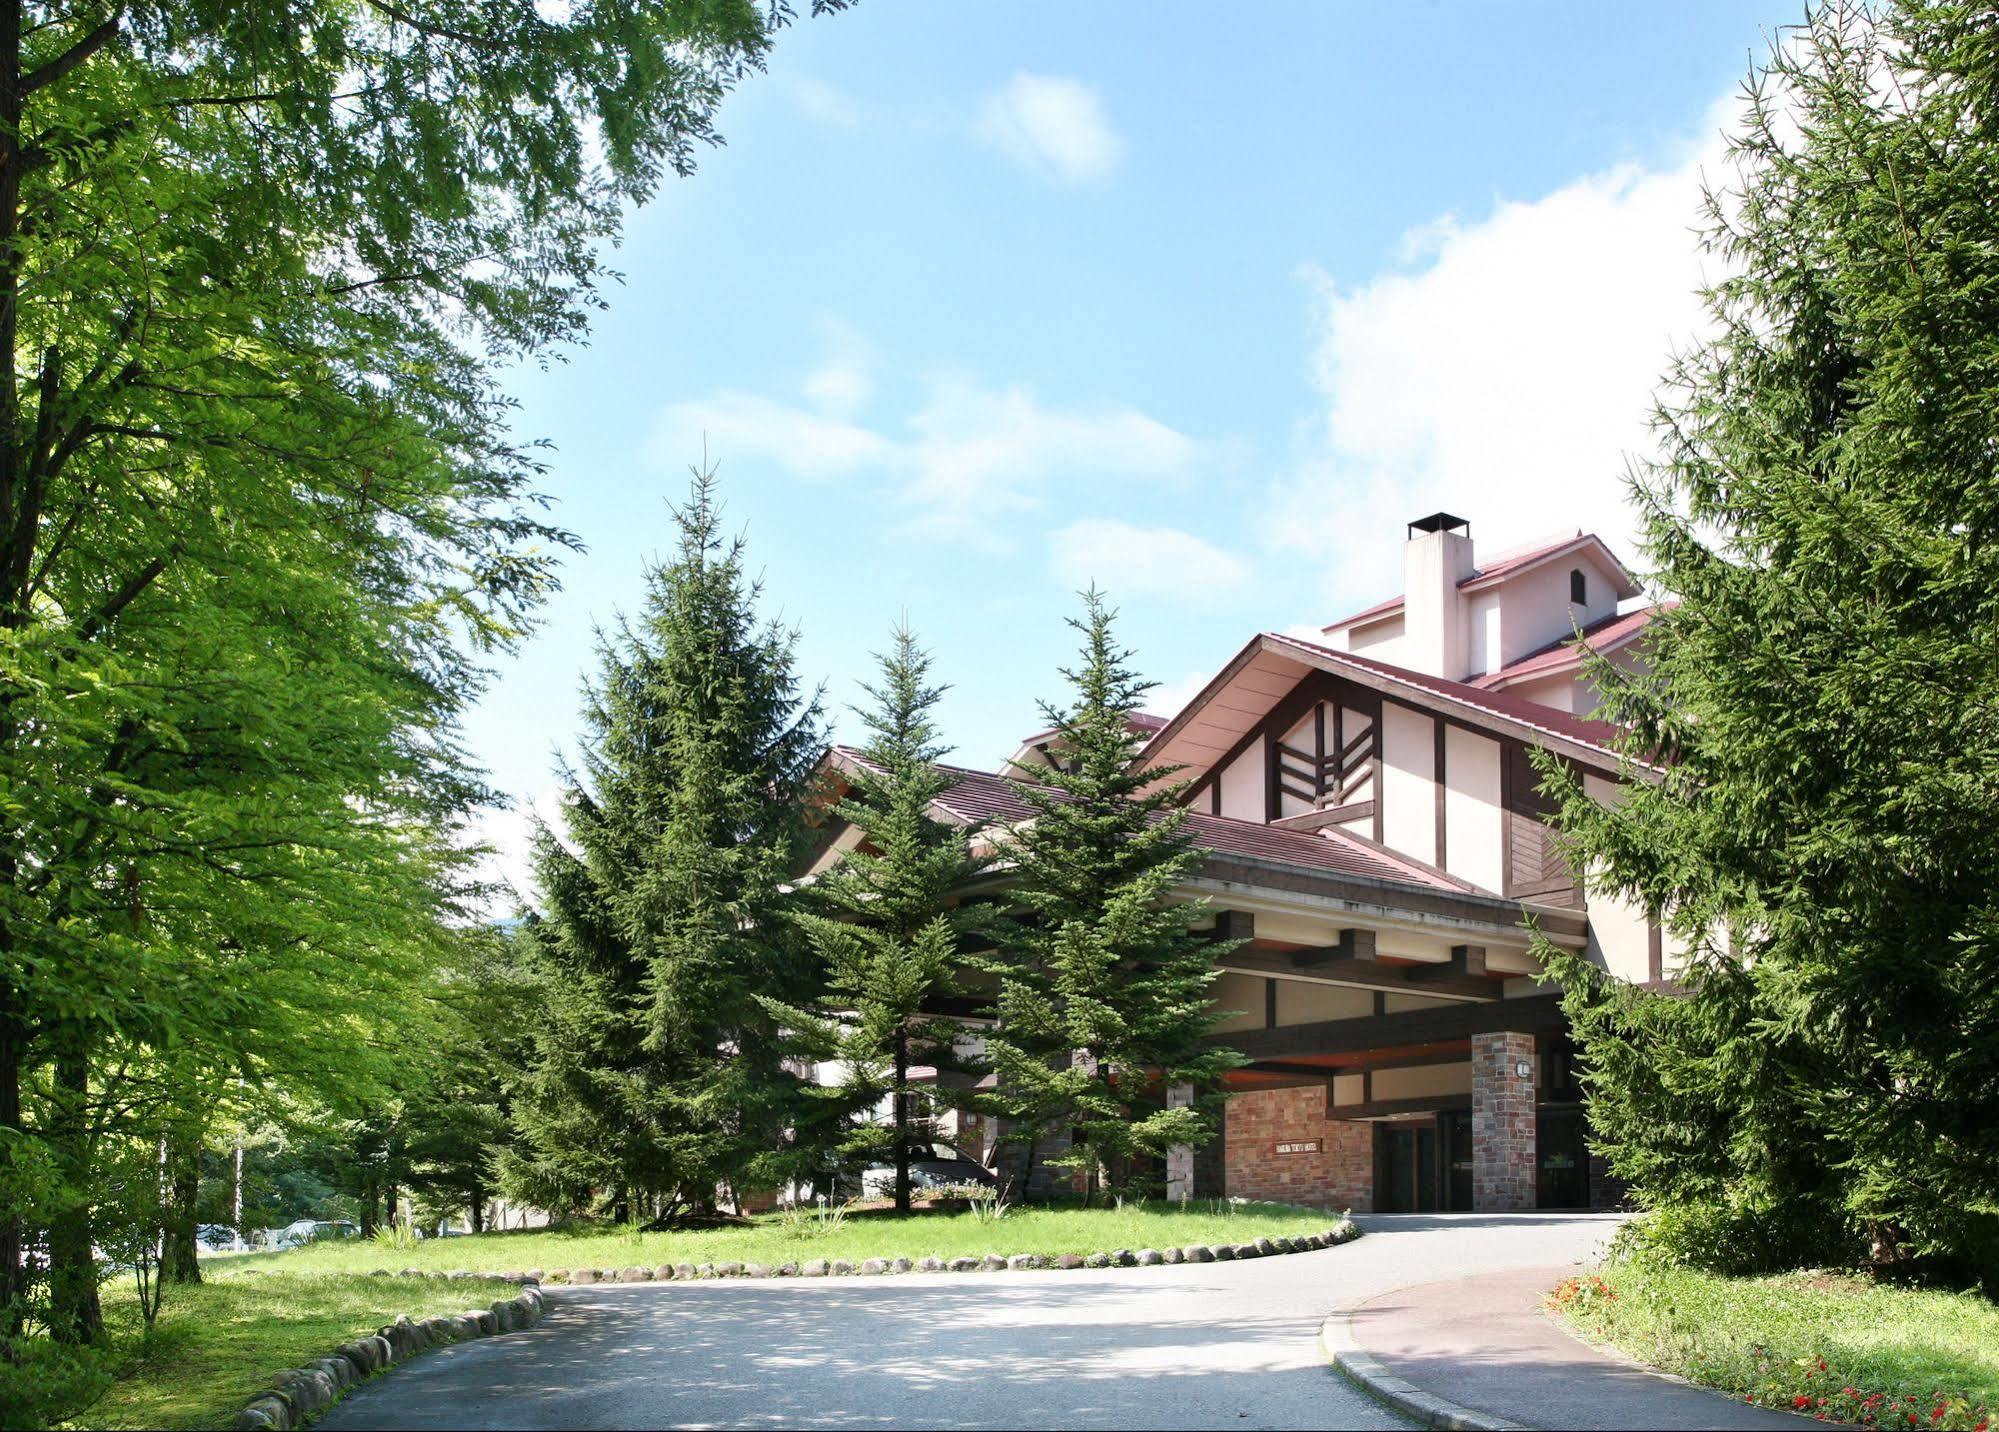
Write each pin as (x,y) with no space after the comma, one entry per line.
(1103,984)
(660,1074)
(889,923)
(1823,705)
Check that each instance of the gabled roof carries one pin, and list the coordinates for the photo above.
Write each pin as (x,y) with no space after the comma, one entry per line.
(1603,637)
(981,798)
(1512,564)
(1270,665)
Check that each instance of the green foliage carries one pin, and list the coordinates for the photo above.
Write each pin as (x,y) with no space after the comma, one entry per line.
(1820,709)
(1103,987)
(890,922)
(657,1071)
(261,519)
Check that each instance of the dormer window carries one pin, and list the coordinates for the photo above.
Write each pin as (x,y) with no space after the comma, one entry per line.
(1578,587)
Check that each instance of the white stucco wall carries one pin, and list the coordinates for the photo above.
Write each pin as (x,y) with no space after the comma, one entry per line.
(1380,640)
(1240,993)
(1422,1083)
(1408,772)
(1300,1002)
(1474,832)
(1562,691)
(1535,606)
(1242,785)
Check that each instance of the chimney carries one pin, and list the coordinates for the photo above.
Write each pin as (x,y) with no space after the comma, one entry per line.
(1435,633)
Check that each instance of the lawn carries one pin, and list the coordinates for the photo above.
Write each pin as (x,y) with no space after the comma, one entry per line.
(775,1239)
(1877,1354)
(216,1346)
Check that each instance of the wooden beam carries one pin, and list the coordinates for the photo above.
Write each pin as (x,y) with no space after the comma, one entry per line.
(1465,961)
(1533,1014)
(1363,974)
(1331,815)
(1235,925)
(1354,945)
(1388,1108)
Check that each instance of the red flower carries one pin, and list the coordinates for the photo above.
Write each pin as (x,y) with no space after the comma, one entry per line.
(1801,1401)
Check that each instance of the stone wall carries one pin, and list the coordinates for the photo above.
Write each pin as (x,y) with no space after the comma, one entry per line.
(1339,1173)
(1502,1122)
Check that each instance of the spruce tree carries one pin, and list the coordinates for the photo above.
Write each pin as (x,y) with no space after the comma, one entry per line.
(889,922)
(1103,996)
(1822,710)
(659,1073)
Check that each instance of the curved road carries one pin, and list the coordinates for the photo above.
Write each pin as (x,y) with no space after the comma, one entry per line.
(1208,1345)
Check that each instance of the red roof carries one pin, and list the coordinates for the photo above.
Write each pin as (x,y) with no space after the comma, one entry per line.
(1500,569)
(980,797)
(1579,729)
(1603,636)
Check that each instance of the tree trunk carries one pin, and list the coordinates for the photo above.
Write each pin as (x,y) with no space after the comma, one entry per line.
(180,1259)
(75,1316)
(901,1117)
(478,1211)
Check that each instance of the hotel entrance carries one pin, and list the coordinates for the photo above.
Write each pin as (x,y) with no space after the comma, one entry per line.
(1424,1165)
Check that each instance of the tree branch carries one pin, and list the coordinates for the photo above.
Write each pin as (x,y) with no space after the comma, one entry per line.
(75,55)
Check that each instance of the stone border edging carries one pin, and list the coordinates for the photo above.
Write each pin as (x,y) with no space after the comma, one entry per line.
(1343,1232)
(1344,1351)
(300,1393)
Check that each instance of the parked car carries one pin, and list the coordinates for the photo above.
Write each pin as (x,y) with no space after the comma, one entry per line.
(931,1165)
(312,1230)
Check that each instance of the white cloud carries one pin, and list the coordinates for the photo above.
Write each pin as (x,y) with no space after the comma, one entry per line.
(733,426)
(1159,562)
(979,453)
(509,832)
(964,459)
(1506,379)
(1167,698)
(1053,125)
(841,385)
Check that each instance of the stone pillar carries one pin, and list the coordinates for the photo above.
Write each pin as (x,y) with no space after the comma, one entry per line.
(1502,1122)
(1180,1158)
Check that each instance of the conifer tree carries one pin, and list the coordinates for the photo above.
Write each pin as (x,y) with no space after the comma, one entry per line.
(889,923)
(1103,984)
(1822,710)
(659,1073)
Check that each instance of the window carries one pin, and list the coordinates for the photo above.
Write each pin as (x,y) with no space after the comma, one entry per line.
(1578,587)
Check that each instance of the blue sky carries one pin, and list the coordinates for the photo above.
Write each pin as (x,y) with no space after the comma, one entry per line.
(983,301)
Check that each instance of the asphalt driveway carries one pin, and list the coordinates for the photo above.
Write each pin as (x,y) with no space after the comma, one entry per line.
(1209,1345)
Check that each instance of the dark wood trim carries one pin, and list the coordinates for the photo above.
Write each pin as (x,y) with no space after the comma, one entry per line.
(1332,815)
(1388,1059)
(1269,1003)
(1215,796)
(1471,907)
(1465,960)
(1362,974)
(1440,787)
(1531,1014)
(1387,1108)
(1354,945)
(1235,925)
(1655,951)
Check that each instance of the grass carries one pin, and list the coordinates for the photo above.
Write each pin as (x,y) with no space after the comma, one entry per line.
(216,1346)
(770,1238)
(1852,1349)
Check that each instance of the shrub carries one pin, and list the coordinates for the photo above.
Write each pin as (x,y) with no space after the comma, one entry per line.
(44,1383)
(1740,1241)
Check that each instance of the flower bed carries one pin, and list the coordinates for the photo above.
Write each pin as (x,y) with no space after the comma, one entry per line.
(1835,1348)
